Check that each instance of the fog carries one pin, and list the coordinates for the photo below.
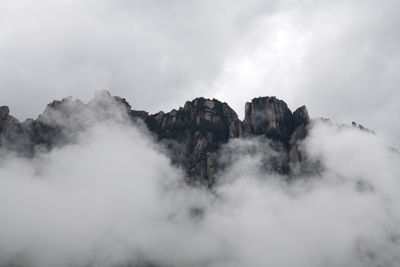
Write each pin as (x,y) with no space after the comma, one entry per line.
(112,198)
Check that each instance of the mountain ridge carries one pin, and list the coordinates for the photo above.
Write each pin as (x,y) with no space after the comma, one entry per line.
(193,134)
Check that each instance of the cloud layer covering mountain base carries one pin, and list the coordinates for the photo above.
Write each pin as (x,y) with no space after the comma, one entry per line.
(113,199)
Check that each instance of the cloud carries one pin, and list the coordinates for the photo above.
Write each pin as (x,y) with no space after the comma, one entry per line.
(112,198)
(154,53)
(337,57)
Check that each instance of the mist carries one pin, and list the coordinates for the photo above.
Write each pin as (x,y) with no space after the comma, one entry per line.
(107,194)
(112,198)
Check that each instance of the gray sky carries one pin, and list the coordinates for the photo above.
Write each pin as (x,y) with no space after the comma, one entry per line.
(340,58)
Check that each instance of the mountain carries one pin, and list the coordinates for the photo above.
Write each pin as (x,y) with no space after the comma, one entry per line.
(192,134)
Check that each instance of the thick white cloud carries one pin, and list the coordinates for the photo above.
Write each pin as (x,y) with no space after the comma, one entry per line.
(113,197)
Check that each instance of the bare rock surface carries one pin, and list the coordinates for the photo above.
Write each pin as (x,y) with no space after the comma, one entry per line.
(193,135)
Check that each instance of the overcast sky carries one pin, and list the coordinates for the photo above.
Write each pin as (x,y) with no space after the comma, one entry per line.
(340,58)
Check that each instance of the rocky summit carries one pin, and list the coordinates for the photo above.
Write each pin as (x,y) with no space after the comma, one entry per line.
(193,134)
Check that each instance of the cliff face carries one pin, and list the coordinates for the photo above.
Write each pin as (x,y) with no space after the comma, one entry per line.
(13,135)
(269,116)
(193,134)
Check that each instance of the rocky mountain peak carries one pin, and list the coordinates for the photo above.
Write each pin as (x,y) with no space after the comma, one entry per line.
(210,110)
(301,115)
(104,104)
(192,134)
(362,128)
(4,112)
(273,118)
(61,109)
(12,134)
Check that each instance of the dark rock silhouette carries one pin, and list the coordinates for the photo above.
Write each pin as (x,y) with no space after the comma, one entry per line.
(193,134)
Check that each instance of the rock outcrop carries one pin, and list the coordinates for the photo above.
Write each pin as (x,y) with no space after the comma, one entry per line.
(301,120)
(14,136)
(362,128)
(192,134)
(271,117)
(268,116)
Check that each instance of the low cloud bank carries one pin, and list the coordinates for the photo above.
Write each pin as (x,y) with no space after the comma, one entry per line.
(113,199)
